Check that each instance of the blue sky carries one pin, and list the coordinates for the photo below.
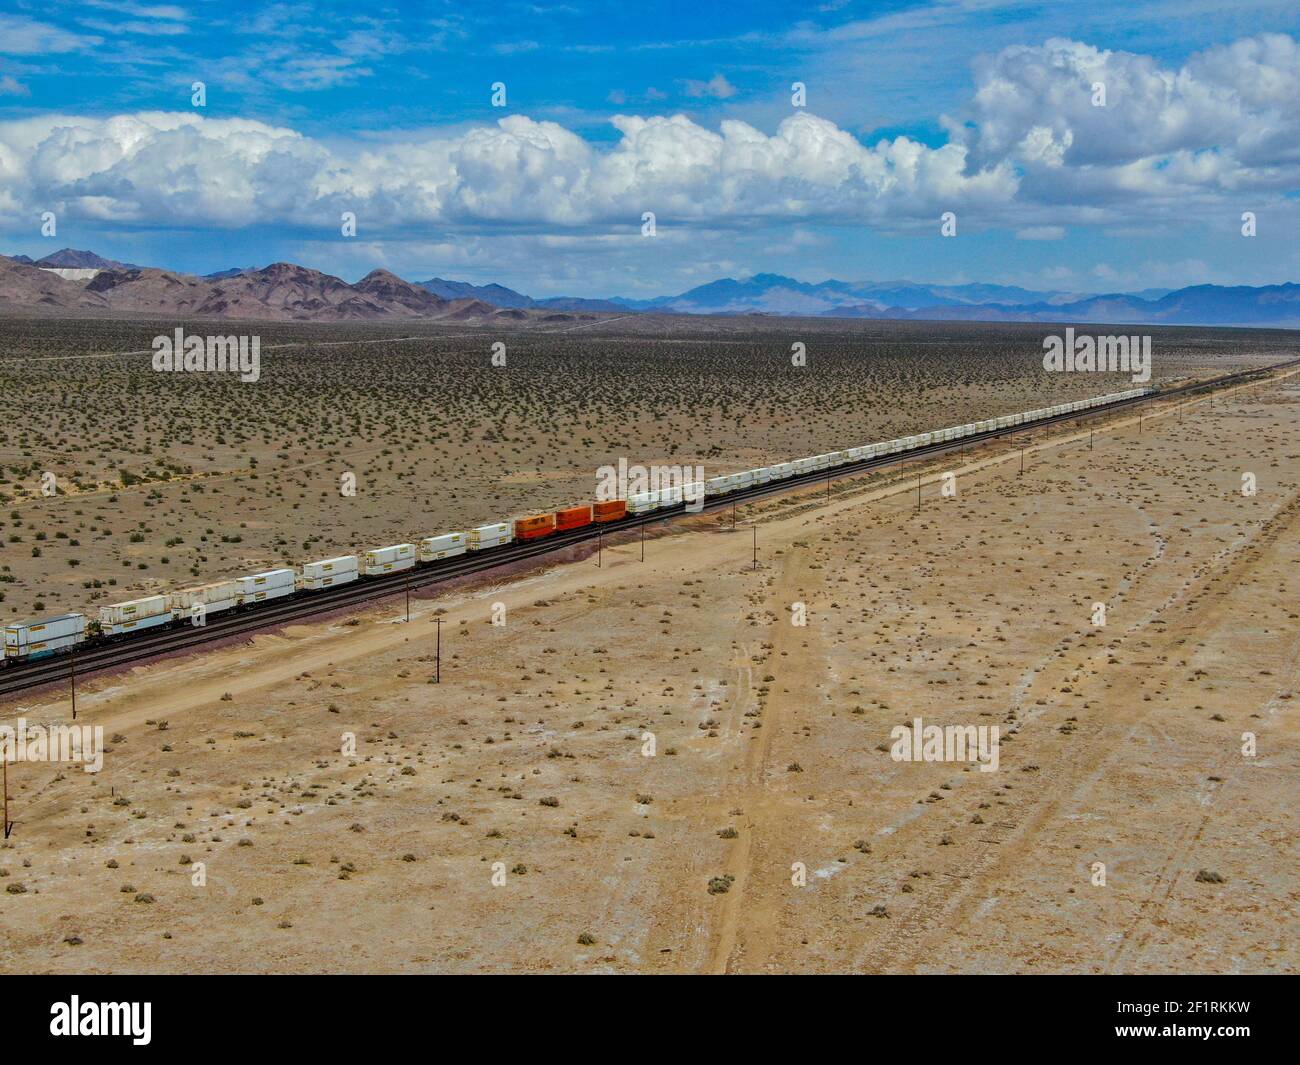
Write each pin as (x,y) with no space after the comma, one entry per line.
(685,110)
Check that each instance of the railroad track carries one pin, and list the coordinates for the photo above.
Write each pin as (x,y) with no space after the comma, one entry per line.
(125,651)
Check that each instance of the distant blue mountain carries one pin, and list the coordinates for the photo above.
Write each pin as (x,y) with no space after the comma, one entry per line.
(497,295)
(1276,306)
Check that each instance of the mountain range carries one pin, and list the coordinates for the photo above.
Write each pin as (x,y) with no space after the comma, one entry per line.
(286,292)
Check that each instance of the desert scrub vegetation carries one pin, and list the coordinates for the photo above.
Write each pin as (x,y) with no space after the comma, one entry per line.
(223,478)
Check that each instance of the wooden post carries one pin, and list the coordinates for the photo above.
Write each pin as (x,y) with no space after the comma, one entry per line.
(9,825)
(600,544)
(437,669)
(408,596)
(72,669)
(756,546)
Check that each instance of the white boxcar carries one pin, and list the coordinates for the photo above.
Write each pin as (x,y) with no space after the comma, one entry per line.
(670,497)
(804,465)
(717,486)
(44,636)
(761,475)
(213,598)
(328,572)
(643,502)
(133,610)
(391,559)
(742,480)
(493,535)
(270,584)
(433,548)
(782,470)
(135,614)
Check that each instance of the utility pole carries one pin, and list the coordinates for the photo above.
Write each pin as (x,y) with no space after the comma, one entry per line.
(918,493)
(755,527)
(733,515)
(72,669)
(9,825)
(1090,435)
(643,541)
(408,596)
(828,488)
(600,544)
(437,669)
(1022,459)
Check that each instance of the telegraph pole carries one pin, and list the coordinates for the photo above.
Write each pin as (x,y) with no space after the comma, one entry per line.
(437,669)
(9,825)
(408,596)
(72,669)
(643,541)
(600,544)
(918,493)
(755,546)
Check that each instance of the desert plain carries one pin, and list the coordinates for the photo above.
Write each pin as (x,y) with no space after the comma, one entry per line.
(683,765)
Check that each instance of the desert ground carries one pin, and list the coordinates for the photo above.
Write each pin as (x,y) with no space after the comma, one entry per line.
(632,772)
(169,480)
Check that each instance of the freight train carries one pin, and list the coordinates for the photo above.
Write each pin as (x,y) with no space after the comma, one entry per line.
(55,635)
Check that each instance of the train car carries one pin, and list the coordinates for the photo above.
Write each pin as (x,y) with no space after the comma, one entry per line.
(497,534)
(782,470)
(328,572)
(572,517)
(41,637)
(135,615)
(534,526)
(447,545)
(210,598)
(761,475)
(643,502)
(717,486)
(609,510)
(269,584)
(671,497)
(392,559)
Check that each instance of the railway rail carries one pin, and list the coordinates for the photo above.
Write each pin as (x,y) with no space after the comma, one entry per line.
(110,655)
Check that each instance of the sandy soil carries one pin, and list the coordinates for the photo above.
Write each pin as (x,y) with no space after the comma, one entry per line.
(1119,745)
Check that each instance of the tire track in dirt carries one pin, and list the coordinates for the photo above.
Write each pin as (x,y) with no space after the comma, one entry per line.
(751,908)
(1083,767)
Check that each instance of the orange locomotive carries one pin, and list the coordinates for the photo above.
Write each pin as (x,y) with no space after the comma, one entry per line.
(534,526)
